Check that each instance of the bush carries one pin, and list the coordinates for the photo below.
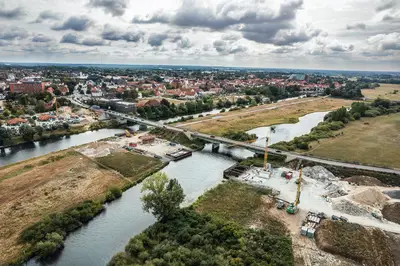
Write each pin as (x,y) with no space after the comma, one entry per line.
(194,239)
(356,116)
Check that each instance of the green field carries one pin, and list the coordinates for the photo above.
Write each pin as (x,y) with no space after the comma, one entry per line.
(373,141)
(240,203)
(131,165)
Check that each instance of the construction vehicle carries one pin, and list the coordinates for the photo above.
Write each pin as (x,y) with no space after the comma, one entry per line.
(127,133)
(292,208)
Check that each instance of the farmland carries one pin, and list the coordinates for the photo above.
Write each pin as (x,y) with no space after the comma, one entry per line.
(374,141)
(35,188)
(384,91)
(265,115)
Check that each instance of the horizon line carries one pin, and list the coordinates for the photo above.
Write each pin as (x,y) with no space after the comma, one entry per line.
(208,66)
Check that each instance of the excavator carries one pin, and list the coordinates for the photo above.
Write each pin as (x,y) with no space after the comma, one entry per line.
(292,207)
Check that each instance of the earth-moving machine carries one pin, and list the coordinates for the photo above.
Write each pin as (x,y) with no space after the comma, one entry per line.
(293,207)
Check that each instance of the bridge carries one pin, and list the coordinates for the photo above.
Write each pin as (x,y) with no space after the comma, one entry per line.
(216,140)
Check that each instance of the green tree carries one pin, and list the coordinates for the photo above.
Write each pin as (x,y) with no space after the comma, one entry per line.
(39,130)
(4,134)
(6,113)
(27,132)
(163,196)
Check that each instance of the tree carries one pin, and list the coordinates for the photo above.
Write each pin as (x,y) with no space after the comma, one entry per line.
(39,130)
(4,134)
(57,92)
(163,196)
(6,113)
(27,132)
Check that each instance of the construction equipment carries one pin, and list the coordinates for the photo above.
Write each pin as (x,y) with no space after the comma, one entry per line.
(127,133)
(266,153)
(292,208)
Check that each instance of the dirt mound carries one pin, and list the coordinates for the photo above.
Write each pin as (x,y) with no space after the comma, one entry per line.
(367,246)
(391,212)
(363,180)
(371,196)
(349,207)
(319,173)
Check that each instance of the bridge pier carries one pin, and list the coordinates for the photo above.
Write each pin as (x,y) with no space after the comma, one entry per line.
(215,147)
(2,152)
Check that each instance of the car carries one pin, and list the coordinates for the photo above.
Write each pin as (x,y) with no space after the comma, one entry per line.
(280,205)
(212,136)
(278,151)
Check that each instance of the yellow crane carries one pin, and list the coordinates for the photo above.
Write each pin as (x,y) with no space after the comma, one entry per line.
(292,208)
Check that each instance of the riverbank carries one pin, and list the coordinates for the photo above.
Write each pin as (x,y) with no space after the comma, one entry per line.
(272,114)
(64,132)
(39,187)
(210,234)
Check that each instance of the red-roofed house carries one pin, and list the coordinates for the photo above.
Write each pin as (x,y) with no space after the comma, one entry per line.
(16,121)
(64,90)
(46,117)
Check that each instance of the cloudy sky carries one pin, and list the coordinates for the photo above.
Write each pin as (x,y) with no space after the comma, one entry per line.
(318,34)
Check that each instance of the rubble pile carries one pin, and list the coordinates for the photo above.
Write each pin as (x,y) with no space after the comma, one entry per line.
(349,207)
(319,173)
(335,190)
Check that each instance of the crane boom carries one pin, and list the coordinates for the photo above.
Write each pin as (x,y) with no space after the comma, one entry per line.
(297,201)
(266,154)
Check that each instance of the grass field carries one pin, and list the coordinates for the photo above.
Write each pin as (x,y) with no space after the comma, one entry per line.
(129,164)
(384,91)
(240,203)
(37,187)
(259,116)
(374,141)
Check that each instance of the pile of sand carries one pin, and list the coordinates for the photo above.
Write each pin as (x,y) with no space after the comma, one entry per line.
(370,196)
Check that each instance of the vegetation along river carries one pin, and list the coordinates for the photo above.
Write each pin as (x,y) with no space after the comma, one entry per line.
(107,234)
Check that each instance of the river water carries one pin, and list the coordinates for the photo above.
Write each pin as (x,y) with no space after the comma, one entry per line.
(108,233)
(26,151)
(95,243)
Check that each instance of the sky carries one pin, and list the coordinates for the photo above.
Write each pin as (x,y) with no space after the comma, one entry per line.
(311,34)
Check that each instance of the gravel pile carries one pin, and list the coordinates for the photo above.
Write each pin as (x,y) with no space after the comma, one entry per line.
(349,207)
(335,190)
(319,173)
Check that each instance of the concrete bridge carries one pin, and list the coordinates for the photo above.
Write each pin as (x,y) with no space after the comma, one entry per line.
(216,140)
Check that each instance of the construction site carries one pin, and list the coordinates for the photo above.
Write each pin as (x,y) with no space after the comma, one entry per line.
(327,215)
(141,143)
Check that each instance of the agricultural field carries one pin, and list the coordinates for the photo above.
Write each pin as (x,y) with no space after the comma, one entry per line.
(131,165)
(264,115)
(35,188)
(374,141)
(384,91)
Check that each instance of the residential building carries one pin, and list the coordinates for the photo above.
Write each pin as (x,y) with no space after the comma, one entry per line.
(125,107)
(27,87)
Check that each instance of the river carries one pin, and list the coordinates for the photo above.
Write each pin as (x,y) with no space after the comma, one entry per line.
(107,234)
(282,132)
(29,150)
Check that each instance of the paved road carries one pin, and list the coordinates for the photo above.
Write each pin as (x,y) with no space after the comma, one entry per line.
(251,147)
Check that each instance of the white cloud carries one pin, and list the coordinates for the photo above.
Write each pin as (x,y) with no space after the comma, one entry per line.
(257,33)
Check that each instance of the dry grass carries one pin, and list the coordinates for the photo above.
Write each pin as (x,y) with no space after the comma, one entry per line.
(259,116)
(44,185)
(384,91)
(374,143)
